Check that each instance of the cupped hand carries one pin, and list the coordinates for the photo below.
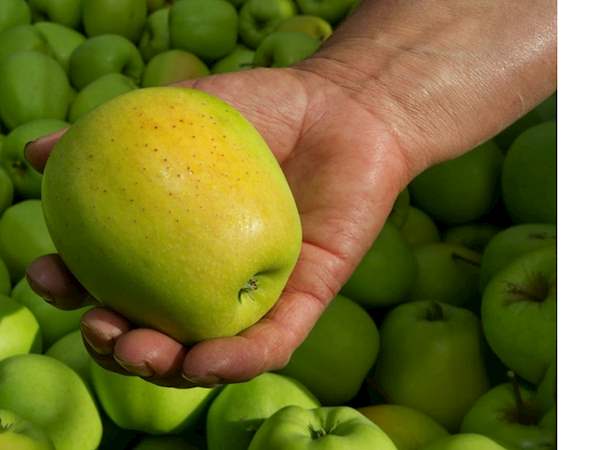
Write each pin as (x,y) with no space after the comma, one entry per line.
(345,168)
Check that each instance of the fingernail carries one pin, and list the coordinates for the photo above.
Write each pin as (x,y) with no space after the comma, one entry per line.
(103,349)
(39,289)
(140,369)
(209,381)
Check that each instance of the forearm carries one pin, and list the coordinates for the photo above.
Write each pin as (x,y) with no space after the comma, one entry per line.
(444,74)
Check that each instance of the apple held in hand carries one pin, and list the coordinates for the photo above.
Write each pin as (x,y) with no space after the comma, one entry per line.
(519,313)
(334,359)
(408,428)
(61,41)
(19,331)
(312,26)
(123,17)
(136,404)
(14,13)
(343,428)
(241,58)
(284,49)
(171,67)
(49,394)
(418,228)
(63,12)
(6,189)
(19,434)
(466,441)
(259,18)
(155,37)
(71,351)
(431,360)
(195,180)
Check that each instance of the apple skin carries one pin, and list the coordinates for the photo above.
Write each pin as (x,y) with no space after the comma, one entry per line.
(54,323)
(495,416)
(173,66)
(313,26)
(332,11)
(19,331)
(102,55)
(473,236)
(23,237)
(136,404)
(529,176)
(207,28)
(465,441)
(431,359)
(333,428)
(155,5)
(155,37)
(19,434)
(98,92)
(26,180)
(240,409)
(512,243)
(334,359)
(259,18)
(241,58)
(71,351)
(408,428)
(5,283)
(463,189)
(26,72)
(177,157)
(545,396)
(14,13)
(284,49)
(419,229)
(386,273)
(123,17)
(519,313)
(6,189)
(61,41)
(447,273)
(164,443)
(400,210)
(63,12)
(22,38)
(49,394)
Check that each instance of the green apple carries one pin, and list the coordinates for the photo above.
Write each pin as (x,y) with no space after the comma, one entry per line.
(173,66)
(98,92)
(285,48)
(332,10)
(545,396)
(334,359)
(474,236)
(5,283)
(14,13)
(6,189)
(102,55)
(241,58)
(49,394)
(63,12)
(20,39)
(400,210)
(519,313)
(155,37)
(463,189)
(240,409)
(447,273)
(19,331)
(222,247)
(512,243)
(54,323)
(508,414)
(237,3)
(431,359)
(529,176)
(24,73)
(23,237)
(207,28)
(154,5)
(418,228)
(408,428)
(26,180)
(19,434)
(71,351)
(136,404)
(164,443)
(123,17)
(313,26)
(465,441)
(339,428)
(259,18)
(386,273)
(61,41)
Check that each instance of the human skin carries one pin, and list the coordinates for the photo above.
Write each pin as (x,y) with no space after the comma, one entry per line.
(400,86)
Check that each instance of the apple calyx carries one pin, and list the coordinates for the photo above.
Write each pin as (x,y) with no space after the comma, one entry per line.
(435,313)
(316,433)
(250,286)
(535,290)
(525,413)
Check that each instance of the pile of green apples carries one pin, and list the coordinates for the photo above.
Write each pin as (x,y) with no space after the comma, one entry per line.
(444,338)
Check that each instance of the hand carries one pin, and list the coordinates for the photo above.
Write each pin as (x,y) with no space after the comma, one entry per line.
(345,168)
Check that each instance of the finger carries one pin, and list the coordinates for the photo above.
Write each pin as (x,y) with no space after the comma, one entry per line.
(101,327)
(38,151)
(105,361)
(50,278)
